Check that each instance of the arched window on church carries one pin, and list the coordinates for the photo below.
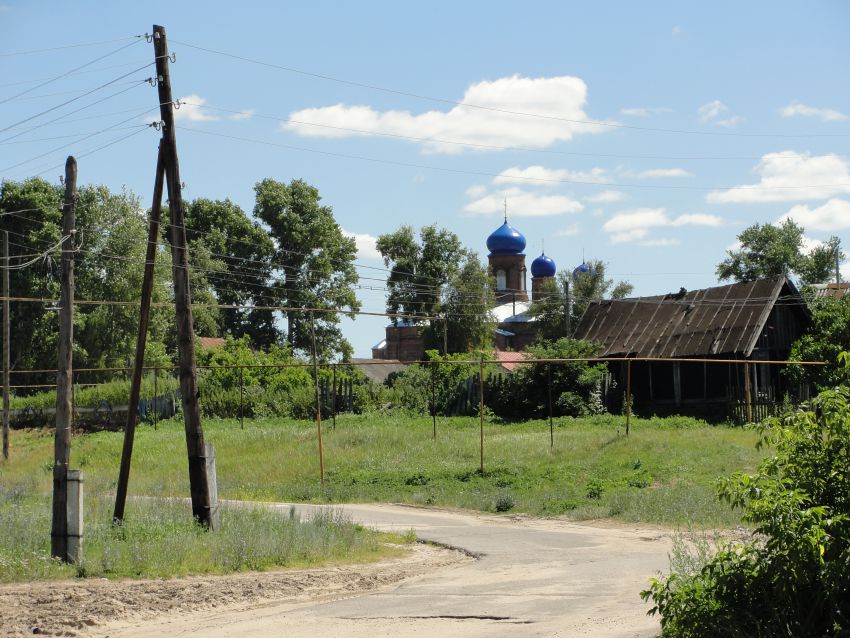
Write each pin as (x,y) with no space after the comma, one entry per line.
(501,280)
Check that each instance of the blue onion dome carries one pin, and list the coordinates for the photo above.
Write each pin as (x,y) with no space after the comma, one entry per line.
(506,240)
(582,269)
(543,266)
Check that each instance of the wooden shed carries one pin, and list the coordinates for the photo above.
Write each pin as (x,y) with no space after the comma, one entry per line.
(753,321)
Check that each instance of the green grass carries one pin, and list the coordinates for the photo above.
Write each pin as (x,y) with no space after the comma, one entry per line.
(663,473)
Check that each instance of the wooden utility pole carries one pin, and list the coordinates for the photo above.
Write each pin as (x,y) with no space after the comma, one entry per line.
(141,340)
(64,374)
(199,485)
(481,409)
(6,342)
(318,401)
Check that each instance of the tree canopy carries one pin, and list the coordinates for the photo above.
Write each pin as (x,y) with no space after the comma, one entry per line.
(313,264)
(767,250)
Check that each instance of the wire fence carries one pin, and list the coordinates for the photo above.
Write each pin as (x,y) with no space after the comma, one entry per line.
(731,390)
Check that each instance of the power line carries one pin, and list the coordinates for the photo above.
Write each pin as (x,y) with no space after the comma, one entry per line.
(419,96)
(525,178)
(67,73)
(437,140)
(135,38)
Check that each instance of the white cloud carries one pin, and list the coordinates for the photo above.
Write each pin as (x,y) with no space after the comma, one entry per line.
(245,114)
(477,190)
(365,245)
(803,110)
(833,215)
(192,110)
(634,225)
(559,98)
(569,231)
(524,204)
(645,111)
(606,197)
(657,172)
(711,111)
(730,122)
(677,29)
(809,244)
(542,176)
(788,176)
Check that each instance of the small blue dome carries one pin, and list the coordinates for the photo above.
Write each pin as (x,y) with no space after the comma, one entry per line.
(506,240)
(543,266)
(582,269)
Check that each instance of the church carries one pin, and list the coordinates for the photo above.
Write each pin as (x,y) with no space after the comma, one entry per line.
(515,328)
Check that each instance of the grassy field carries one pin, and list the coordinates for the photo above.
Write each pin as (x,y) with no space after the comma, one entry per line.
(664,472)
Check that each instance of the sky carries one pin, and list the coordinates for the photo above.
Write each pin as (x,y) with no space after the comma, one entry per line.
(647,135)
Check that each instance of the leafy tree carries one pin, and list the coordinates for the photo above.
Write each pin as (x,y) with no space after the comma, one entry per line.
(467,301)
(793,576)
(418,270)
(238,267)
(314,264)
(111,241)
(824,339)
(768,250)
(585,287)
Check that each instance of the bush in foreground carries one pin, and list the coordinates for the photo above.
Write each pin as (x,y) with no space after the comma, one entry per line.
(793,577)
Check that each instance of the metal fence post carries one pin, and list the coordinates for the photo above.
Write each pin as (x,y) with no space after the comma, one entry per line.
(481,409)
(628,393)
(549,383)
(241,398)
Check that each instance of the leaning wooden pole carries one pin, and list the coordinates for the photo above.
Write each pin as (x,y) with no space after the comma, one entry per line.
(141,340)
(199,484)
(64,374)
(6,343)
(318,400)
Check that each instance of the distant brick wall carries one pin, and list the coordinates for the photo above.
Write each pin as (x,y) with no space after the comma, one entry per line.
(404,343)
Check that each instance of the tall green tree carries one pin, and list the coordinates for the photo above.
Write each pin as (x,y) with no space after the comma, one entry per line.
(826,337)
(238,255)
(314,264)
(111,240)
(585,287)
(419,269)
(468,299)
(767,250)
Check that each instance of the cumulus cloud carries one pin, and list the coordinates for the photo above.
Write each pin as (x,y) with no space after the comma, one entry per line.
(656,172)
(645,111)
(568,231)
(365,244)
(557,99)
(796,109)
(788,176)
(476,190)
(548,176)
(713,112)
(634,225)
(831,216)
(523,204)
(192,110)
(605,197)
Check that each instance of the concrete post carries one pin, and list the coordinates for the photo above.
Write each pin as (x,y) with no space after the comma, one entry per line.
(212,482)
(74,514)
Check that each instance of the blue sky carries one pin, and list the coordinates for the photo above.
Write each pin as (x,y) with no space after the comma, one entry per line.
(631,124)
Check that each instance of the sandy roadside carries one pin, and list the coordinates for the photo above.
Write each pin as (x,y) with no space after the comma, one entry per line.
(81,607)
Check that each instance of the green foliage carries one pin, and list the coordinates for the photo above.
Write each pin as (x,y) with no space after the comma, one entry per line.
(574,384)
(314,262)
(418,269)
(467,300)
(826,337)
(242,272)
(767,250)
(793,577)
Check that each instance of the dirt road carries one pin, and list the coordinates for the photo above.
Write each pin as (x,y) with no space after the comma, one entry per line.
(531,578)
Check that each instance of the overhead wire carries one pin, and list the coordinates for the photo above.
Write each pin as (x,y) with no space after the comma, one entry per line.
(438,140)
(135,38)
(520,178)
(429,98)
(70,72)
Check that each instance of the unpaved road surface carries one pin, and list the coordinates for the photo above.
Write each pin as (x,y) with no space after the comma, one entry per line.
(529,577)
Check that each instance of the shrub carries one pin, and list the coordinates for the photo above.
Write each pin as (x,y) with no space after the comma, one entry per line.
(792,578)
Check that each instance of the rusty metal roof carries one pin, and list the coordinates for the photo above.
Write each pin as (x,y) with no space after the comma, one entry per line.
(712,321)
